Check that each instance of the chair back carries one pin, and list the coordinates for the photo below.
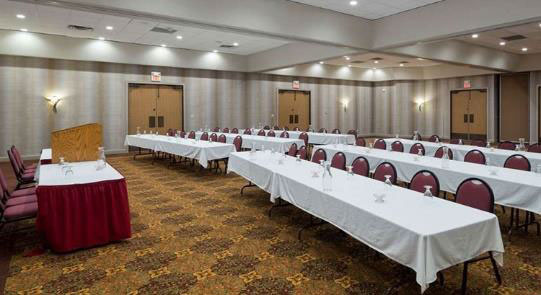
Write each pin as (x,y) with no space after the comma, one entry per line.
(304,136)
(191,134)
(296,129)
(302,153)
(380,144)
(222,138)
(423,178)
(18,158)
(419,137)
(479,143)
(336,131)
(284,134)
(534,148)
(507,145)
(225,130)
(360,166)
(475,193)
(292,150)
(261,132)
(353,132)
(383,169)
(3,183)
(14,165)
(286,128)
(216,129)
(454,141)
(247,131)
(339,161)
(322,130)
(237,142)
(235,130)
(475,156)
(214,137)
(267,127)
(397,146)
(360,141)
(416,148)
(182,134)
(204,136)
(276,127)
(439,153)
(319,155)
(518,162)
(271,133)
(434,138)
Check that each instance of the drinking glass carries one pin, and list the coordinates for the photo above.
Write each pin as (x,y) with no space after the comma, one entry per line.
(428,192)
(349,169)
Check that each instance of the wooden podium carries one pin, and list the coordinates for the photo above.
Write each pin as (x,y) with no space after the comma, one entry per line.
(76,144)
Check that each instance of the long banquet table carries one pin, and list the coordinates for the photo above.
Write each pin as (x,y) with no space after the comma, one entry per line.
(425,234)
(82,209)
(202,151)
(316,137)
(512,188)
(261,142)
(496,156)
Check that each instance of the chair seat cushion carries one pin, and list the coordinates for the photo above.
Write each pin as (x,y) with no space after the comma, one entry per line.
(21,211)
(22,200)
(28,176)
(32,166)
(30,170)
(23,192)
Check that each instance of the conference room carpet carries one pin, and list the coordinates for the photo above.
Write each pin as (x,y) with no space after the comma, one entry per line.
(193,233)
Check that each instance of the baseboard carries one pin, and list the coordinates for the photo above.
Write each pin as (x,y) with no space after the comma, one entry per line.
(36,157)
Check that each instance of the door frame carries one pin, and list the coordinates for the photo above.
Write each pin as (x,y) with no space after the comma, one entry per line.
(451,108)
(538,88)
(500,105)
(289,89)
(127,99)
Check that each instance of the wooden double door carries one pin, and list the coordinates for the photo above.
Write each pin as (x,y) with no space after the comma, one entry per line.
(154,108)
(294,109)
(469,114)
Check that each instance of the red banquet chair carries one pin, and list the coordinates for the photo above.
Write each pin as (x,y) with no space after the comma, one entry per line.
(304,136)
(14,213)
(383,169)
(292,150)
(339,161)
(216,129)
(476,193)
(182,134)
(286,128)
(261,132)
(247,132)
(204,136)
(352,132)
(534,148)
(225,130)
(507,145)
(479,143)
(319,155)
(214,137)
(475,156)
(276,127)
(380,144)
(397,146)
(336,131)
(439,153)
(222,138)
(16,153)
(434,138)
(191,135)
(360,166)
(416,148)
(360,141)
(455,141)
(302,153)
(422,179)
(22,177)
(284,134)
(235,131)
(267,127)
(16,197)
(271,133)
(296,129)
(322,130)
(237,142)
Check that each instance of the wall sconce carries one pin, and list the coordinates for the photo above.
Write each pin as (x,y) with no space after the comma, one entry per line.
(420,104)
(53,101)
(345,103)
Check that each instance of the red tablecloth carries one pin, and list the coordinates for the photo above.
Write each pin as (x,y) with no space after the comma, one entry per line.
(79,216)
(46,161)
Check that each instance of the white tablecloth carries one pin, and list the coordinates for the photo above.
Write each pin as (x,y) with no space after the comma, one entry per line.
(317,138)
(83,172)
(425,234)
(278,144)
(202,151)
(496,156)
(512,188)
(46,154)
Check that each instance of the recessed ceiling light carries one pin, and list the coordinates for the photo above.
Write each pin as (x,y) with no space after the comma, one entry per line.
(420,58)
(540,24)
(401,64)
(101,38)
(349,66)
(502,43)
(21,16)
(163,45)
(353,3)
(179,37)
(321,62)
(235,44)
(376,61)
(475,36)
(110,28)
(24,30)
(347,57)
(524,49)
(215,51)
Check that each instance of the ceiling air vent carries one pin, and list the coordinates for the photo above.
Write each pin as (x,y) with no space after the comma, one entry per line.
(80,28)
(514,38)
(227,46)
(163,30)
(357,62)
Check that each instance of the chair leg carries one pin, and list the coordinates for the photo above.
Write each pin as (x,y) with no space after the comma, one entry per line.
(496,270)
(441,278)
(464,279)
(250,184)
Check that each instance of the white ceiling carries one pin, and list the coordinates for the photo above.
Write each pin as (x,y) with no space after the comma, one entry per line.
(54,20)
(492,39)
(386,61)
(369,9)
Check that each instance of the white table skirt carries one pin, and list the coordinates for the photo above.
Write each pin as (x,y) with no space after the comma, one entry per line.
(202,151)
(278,144)
(512,188)
(496,156)
(425,234)
(83,172)
(317,138)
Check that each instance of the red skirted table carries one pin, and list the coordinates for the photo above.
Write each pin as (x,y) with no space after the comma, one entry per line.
(83,208)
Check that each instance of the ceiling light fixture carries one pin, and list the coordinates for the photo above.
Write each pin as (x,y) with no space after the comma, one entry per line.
(109,28)
(215,51)
(475,36)
(376,61)
(524,49)
(235,44)
(321,62)
(349,66)
(21,16)
(401,64)
(163,45)
(420,58)
(179,37)
(101,38)
(502,43)
(353,3)
(24,30)
(347,57)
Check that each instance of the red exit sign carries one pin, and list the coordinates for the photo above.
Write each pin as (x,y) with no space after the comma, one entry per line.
(467,84)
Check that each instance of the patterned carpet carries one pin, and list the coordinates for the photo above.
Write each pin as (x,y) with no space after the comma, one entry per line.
(195,234)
